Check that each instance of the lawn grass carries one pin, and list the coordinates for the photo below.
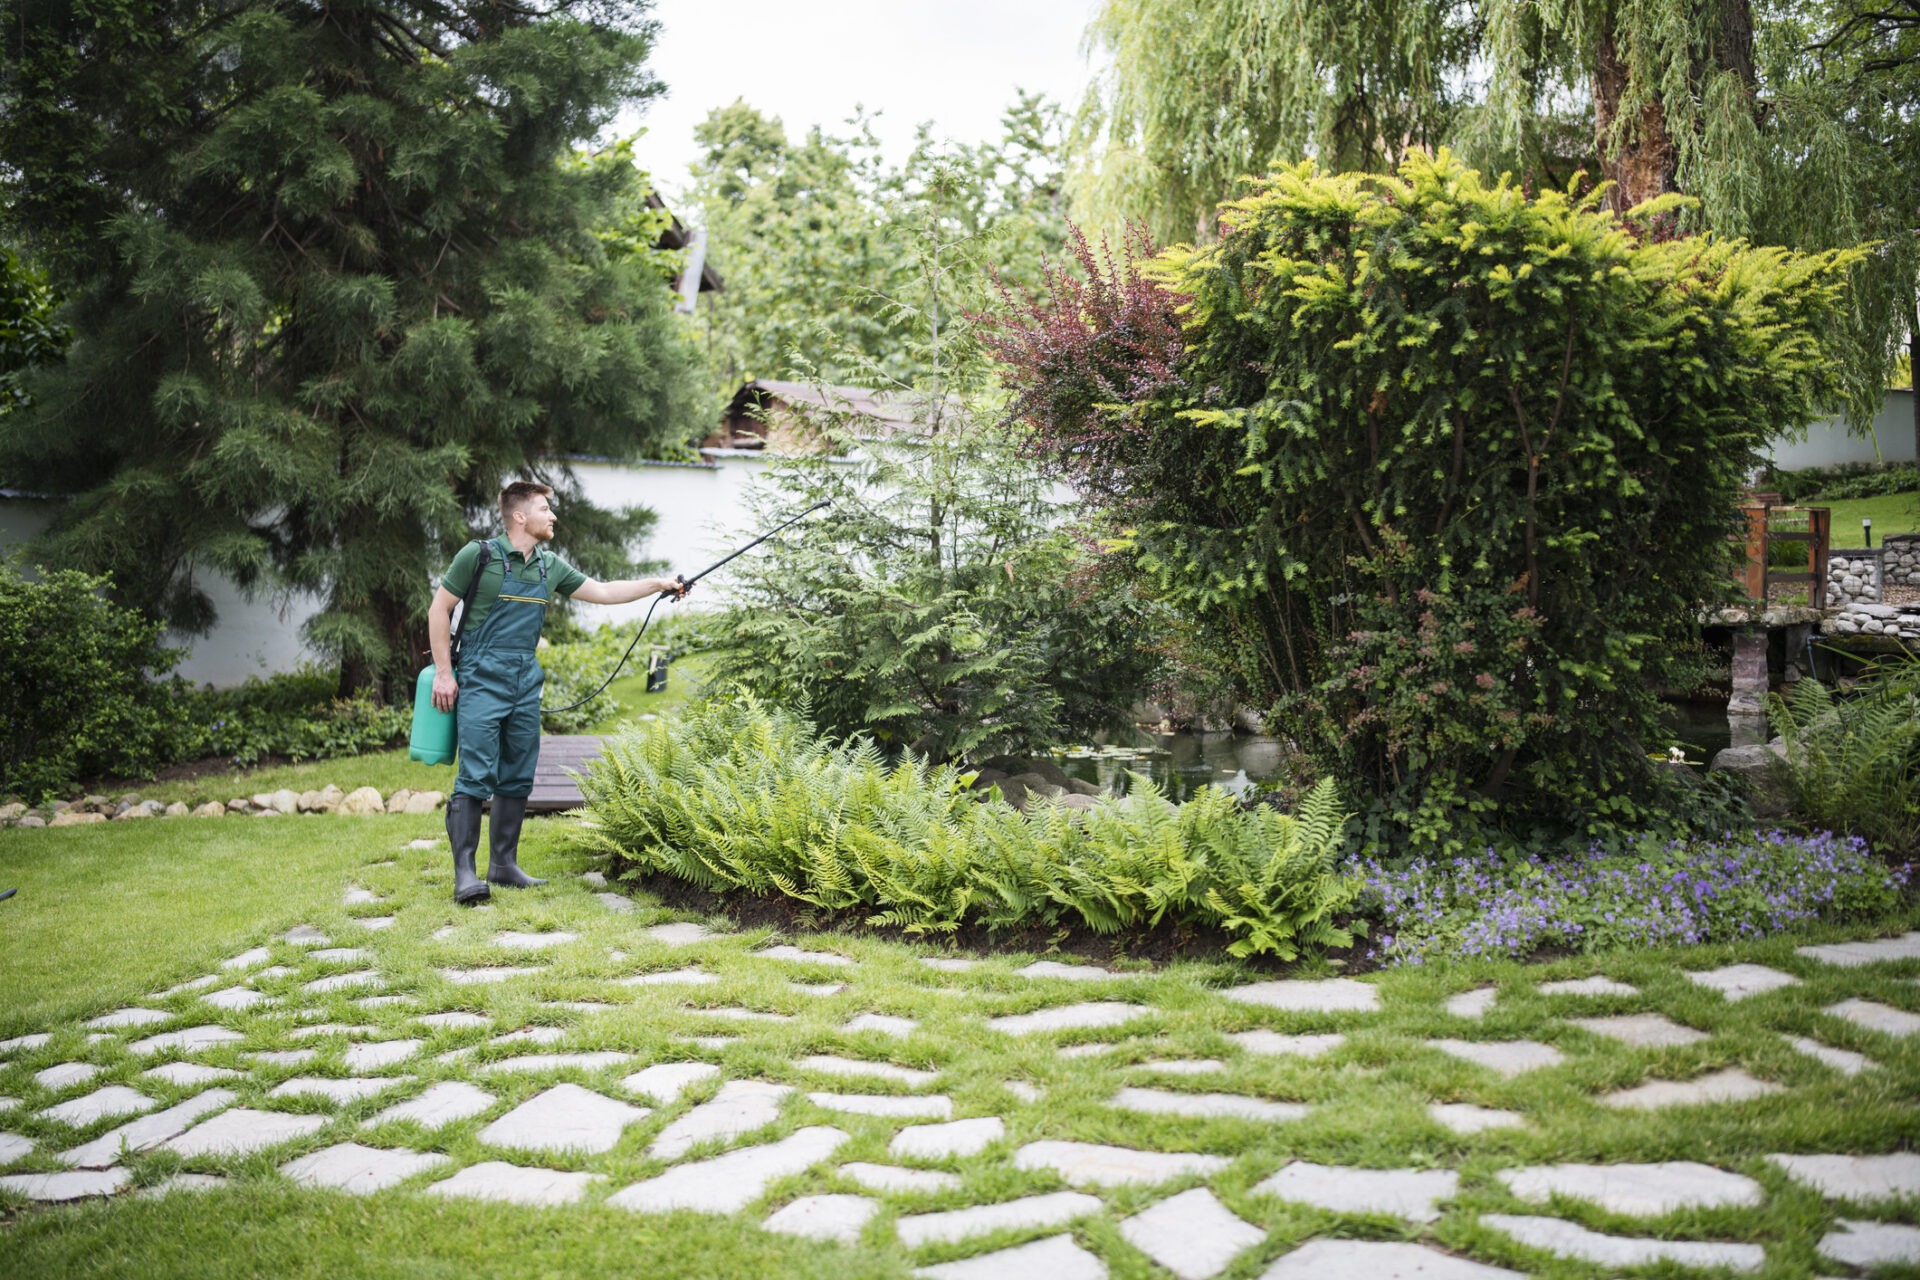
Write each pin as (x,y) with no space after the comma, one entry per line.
(1891,514)
(108,914)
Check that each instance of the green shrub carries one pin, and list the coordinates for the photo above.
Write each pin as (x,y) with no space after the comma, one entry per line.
(83,685)
(294,716)
(1814,485)
(737,796)
(1853,764)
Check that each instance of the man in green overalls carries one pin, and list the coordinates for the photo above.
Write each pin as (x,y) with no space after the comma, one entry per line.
(498,682)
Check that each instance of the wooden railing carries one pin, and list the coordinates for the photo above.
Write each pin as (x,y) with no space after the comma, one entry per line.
(1759,576)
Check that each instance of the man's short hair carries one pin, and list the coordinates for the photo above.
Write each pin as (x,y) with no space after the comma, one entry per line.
(517,495)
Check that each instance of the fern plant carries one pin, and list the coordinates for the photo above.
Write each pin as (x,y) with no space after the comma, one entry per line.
(1853,764)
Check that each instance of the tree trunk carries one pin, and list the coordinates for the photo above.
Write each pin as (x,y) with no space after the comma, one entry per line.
(1642,164)
(1913,363)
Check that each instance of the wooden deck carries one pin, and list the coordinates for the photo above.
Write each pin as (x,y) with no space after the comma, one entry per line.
(553,790)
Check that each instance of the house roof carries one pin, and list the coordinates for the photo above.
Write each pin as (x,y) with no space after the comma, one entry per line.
(676,236)
(892,413)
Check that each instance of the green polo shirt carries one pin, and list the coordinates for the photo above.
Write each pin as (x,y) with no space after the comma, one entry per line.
(562,578)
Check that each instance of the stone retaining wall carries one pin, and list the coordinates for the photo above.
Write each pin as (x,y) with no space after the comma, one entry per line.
(1855,576)
(1863,618)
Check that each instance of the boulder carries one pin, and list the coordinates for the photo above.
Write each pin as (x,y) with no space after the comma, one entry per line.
(1761,767)
(309,802)
(99,804)
(30,821)
(261,800)
(178,809)
(1038,784)
(153,807)
(8,812)
(397,802)
(330,798)
(1081,787)
(1081,802)
(424,802)
(59,806)
(1014,766)
(284,801)
(211,809)
(239,804)
(132,811)
(984,778)
(76,818)
(363,800)
(1014,792)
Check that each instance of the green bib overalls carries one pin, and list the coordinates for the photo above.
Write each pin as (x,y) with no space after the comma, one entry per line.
(497,714)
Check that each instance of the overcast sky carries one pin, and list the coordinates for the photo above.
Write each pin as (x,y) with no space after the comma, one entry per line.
(954,62)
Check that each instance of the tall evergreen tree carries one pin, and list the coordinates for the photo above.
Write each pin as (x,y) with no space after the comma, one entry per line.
(335,276)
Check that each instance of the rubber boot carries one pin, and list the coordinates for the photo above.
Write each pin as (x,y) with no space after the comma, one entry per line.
(463,831)
(503,835)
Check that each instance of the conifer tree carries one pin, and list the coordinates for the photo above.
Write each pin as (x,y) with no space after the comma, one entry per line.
(334,276)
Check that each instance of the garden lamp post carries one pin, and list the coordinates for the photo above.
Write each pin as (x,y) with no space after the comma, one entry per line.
(1866,530)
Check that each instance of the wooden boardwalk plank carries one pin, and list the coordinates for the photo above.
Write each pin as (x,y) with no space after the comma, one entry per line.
(553,790)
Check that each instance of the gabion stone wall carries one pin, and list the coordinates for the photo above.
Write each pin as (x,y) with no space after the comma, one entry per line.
(1855,576)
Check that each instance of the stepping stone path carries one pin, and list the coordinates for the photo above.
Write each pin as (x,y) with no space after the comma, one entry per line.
(1378,1260)
(947,1141)
(739,1108)
(680,935)
(1071,1017)
(804,957)
(360,1170)
(514,1184)
(442,1104)
(564,1118)
(241,1132)
(1088,1164)
(892,1179)
(1863,1244)
(129,1018)
(482,977)
(1721,1086)
(1055,1258)
(665,1082)
(1068,972)
(336,1091)
(57,1188)
(1597,985)
(101,1104)
(1273,1044)
(885,1023)
(1466,1118)
(929,1107)
(1192,1234)
(1845,1061)
(188,1074)
(1856,1178)
(1738,981)
(1637,1190)
(671,977)
(513,941)
(1205,1105)
(1885,1019)
(66,1075)
(1471,1004)
(1851,955)
(1412,1194)
(729,1183)
(1333,995)
(1051,1210)
(1642,1030)
(835,1217)
(1553,1235)
(1507,1058)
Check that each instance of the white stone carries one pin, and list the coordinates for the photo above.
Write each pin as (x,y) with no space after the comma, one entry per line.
(1069,1017)
(733,1014)
(594,1061)
(341,955)
(359,1170)
(191,1073)
(664,1082)
(193,984)
(480,977)
(513,940)
(679,935)
(338,1091)
(672,977)
(375,923)
(884,1023)
(1466,1118)
(1274,1044)
(1738,981)
(1472,1004)
(828,1064)
(305,935)
(269,973)
(363,1058)
(8,1104)
(444,1103)
(1330,995)
(423,844)
(457,1018)
(532,1035)
(283,1057)
(242,1131)
(65,1075)
(101,1104)
(1192,1234)
(564,1118)
(832,1217)
(13,1146)
(1378,1260)
(594,879)
(56,1188)
(1637,1190)
(931,1107)
(1507,1058)
(1861,1244)
(356,896)
(894,1179)
(129,1018)
(1854,954)
(1845,1061)
(1055,1258)
(729,1183)
(1597,985)
(712,1042)
(947,1141)
(1876,1017)
(1088,1164)
(1860,1178)
(186,1040)
(739,1108)
(1722,1086)
(1021,1090)
(1087,1050)
(618,903)
(1067,972)
(784,952)
(1411,1194)
(234,998)
(34,1041)
(1182,1066)
(1643,1030)
(949,964)
(1050,1210)
(819,989)
(514,1184)
(343,981)
(1571,1241)
(1205,1105)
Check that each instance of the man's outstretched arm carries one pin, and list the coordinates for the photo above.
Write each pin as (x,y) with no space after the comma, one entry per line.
(627,590)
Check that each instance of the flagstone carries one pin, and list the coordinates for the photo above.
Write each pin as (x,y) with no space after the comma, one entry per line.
(130,1018)
(564,1118)
(339,1091)
(580,1006)
(1069,1017)
(457,1018)
(730,1182)
(34,1041)
(533,1035)
(1192,1234)
(234,998)
(1569,1240)
(342,981)
(1205,1105)
(8,1104)
(1642,1030)
(442,1104)
(1052,1209)
(664,1082)
(885,1023)
(191,984)
(1597,985)
(191,1073)
(1854,954)
(13,1146)
(1068,972)
(444,932)
(1862,1244)
(247,959)
(680,935)
(594,1061)
(181,1182)
(1472,1004)
(372,1056)
(1507,1058)
(1637,1190)
(1182,1066)
(1722,1086)
(147,1132)
(360,1170)
(423,844)
(283,1057)
(735,1014)
(305,935)
(381,1002)
(739,1108)
(1055,1258)
(618,903)
(828,1064)
(56,1188)
(1021,1090)
(243,1131)
(829,1217)
(341,955)
(947,1141)
(819,989)
(515,1184)
(1274,1044)
(949,964)
(269,973)
(375,923)
(514,940)
(712,1042)
(929,1107)
(65,1075)
(355,896)
(1379,1260)
(594,879)
(1876,1017)
(1845,1061)
(898,1180)
(1090,1164)
(671,977)
(1411,1194)
(1093,1050)
(1466,1118)
(1861,1178)
(101,1104)
(187,1040)
(1738,981)
(785,952)
(1328,995)
(475,977)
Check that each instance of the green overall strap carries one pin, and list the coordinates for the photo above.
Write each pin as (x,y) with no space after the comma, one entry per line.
(466,601)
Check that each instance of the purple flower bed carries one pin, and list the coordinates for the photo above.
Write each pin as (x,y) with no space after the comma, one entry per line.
(1740,886)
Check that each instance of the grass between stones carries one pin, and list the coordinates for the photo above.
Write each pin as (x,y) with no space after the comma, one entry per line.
(109,915)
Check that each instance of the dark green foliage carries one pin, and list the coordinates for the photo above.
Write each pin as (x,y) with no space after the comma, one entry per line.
(29,334)
(1853,764)
(1814,485)
(1446,474)
(83,685)
(734,796)
(293,717)
(336,272)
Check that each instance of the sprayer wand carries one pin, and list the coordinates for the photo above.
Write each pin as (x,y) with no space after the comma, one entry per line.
(674,593)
